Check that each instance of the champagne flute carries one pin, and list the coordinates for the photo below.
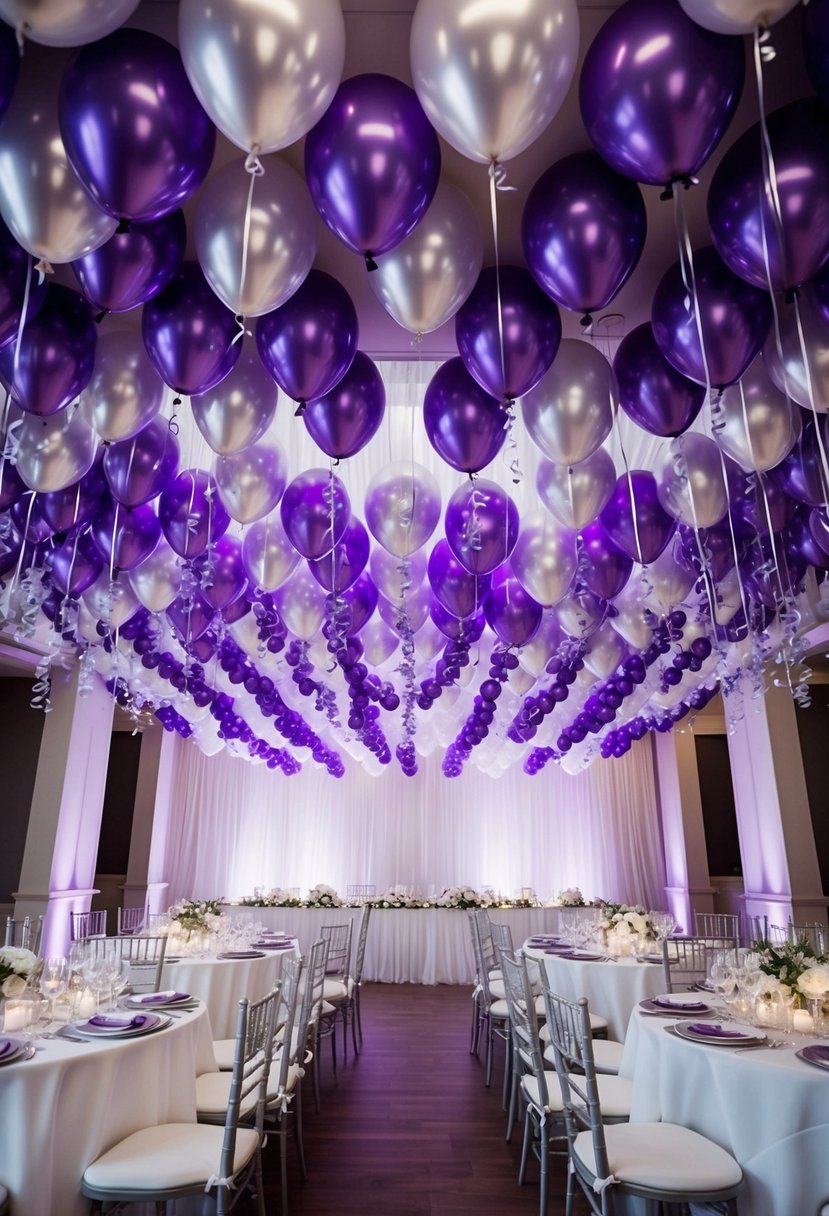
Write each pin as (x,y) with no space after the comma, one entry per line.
(53,981)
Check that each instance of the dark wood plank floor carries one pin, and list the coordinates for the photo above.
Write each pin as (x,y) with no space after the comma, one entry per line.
(409,1128)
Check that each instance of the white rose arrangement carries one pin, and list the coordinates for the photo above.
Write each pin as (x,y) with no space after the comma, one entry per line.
(16,969)
(571,897)
(622,924)
(322,896)
(814,981)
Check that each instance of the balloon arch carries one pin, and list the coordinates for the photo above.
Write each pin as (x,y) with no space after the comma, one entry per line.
(258,603)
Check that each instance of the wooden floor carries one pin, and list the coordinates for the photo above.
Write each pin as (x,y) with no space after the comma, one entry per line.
(408,1128)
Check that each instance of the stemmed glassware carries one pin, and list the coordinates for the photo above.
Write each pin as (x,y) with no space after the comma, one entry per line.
(53,981)
(663,925)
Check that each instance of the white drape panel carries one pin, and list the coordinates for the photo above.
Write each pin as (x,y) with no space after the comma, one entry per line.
(234,826)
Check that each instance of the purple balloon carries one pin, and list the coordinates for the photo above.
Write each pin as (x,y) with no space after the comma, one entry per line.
(315,511)
(12,485)
(453,627)
(657,91)
(741,217)
(125,537)
(819,527)
(191,513)
(349,415)
(802,542)
(458,591)
(139,468)
(189,333)
(583,231)
(643,535)
(511,613)
(225,579)
(651,391)
(132,267)
(717,543)
(236,610)
(372,163)
(76,505)
(133,129)
(9,65)
(755,494)
(57,354)
(361,598)
(416,606)
(76,564)
(531,332)
(481,526)
(734,318)
(190,618)
(16,265)
(816,46)
(800,475)
(466,426)
(769,582)
(607,568)
(309,343)
(29,522)
(337,570)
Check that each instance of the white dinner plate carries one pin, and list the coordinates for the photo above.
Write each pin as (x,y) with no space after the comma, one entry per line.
(719,1034)
(11,1049)
(120,1026)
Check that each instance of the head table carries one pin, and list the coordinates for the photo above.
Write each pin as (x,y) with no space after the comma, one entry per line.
(72,1101)
(405,945)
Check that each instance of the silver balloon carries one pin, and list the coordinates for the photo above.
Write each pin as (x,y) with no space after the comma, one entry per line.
(402,507)
(238,411)
(301,604)
(429,641)
(281,241)
(41,198)
(492,76)
(576,494)
(807,383)
(606,652)
(544,559)
(157,580)
(692,486)
(417,604)
(569,413)
(55,452)
(520,681)
(125,392)
(755,424)
(264,72)
(113,602)
(389,577)
(379,642)
(267,554)
(424,280)
(68,23)
(251,482)
(664,584)
(535,655)
(632,619)
(580,614)
(736,16)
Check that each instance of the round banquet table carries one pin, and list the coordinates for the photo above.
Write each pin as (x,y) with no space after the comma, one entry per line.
(613,989)
(221,982)
(72,1101)
(768,1108)
(405,945)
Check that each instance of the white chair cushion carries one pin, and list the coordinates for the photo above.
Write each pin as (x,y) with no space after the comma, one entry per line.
(607,1055)
(664,1157)
(158,1159)
(614,1094)
(223,1050)
(213,1090)
(497,990)
(495,974)
(334,990)
(326,1007)
(499,1009)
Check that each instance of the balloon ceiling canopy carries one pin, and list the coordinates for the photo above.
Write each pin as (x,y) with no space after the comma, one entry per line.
(300,463)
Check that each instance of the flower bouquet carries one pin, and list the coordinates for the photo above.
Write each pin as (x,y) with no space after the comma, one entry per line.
(464,897)
(322,896)
(571,897)
(17,967)
(795,970)
(192,924)
(624,927)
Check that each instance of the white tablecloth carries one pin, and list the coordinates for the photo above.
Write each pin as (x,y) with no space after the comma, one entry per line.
(221,982)
(72,1101)
(406,945)
(768,1108)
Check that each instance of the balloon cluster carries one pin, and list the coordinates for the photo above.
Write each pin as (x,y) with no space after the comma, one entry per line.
(476,727)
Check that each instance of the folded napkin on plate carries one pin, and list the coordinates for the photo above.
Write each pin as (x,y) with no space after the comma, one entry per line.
(161,998)
(817,1053)
(6,1046)
(716,1031)
(108,1023)
(679,1006)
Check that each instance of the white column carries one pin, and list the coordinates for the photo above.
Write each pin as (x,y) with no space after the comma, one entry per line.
(145,883)
(58,870)
(687,882)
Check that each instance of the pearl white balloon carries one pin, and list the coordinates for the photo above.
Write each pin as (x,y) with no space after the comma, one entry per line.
(157,580)
(632,620)
(268,556)
(251,482)
(789,373)
(238,411)
(535,655)
(379,642)
(301,604)
(544,559)
(111,602)
(755,424)
(580,614)
(402,507)
(55,452)
(388,576)
(125,392)
(665,583)
(429,641)
(736,16)
(67,22)
(606,652)
(569,413)
(692,485)
(576,494)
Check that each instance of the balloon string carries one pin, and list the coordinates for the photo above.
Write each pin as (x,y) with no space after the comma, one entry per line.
(23,315)
(19,565)
(570,494)
(254,168)
(112,544)
(614,409)
(810,389)
(707,578)
(497,176)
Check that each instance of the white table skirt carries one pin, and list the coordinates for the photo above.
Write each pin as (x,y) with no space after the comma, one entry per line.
(222,982)
(60,1110)
(768,1108)
(612,989)
(406,945)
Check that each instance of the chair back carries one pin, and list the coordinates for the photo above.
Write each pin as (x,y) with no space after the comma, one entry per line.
(362,938)
(526,1046)
(145,956)
(717,924)
(685,959)
(361,891)
(755,929)
(312,990)
(131,920)
(88,924)
(25,934)
(338,938)
(814,933)
(501,938)
(482,970)
(484,930)
(292,1049)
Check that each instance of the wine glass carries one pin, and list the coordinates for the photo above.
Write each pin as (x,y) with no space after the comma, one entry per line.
(53,981)
(93,971)
(663,925)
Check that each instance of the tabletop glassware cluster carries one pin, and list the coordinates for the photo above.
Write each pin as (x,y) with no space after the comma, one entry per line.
(750,995)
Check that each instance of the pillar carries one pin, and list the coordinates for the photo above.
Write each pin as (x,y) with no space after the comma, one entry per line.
(687,882)
(145,885)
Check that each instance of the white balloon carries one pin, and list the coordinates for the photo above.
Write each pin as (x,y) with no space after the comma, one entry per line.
(125,392)
(157,580)
(56,451)
(251,482)
(736,16)
(66,22)
(268,556)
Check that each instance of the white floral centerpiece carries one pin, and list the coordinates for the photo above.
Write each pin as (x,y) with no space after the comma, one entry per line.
(17,967)
(322,896)
(465,897)
(276,898)
(570,897)
(623,925)
(398,897)
(794,969)
(192,924)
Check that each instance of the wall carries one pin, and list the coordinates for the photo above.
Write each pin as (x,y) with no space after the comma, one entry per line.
(22,728)
(116,822)
(813,729)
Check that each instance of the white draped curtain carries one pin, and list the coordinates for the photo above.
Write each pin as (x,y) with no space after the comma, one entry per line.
(234,826)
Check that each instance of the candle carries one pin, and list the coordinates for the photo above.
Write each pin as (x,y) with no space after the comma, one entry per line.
(802,1021)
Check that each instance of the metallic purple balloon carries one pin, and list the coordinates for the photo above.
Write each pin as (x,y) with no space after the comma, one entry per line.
(531,332)
(458,591)
(801,473)
(12,485)
(124,538)
(76,505)
(29,521)
(189,334)
(361,598)
(9,65)
(717,545)
(802,541)
(309,343)
(225,579)
(315,511)
(651,391)
(139,468)
(816,46)
(416,608)
(819,527)
(349,415)
(758,493)
(734,318)
(741,217)
(511,613)
(15,266)
(767,581)
(133,129)
(453,627)
(466,426)
(190,618)
(337,570)
(132,267)
(644,536)
(191,513)
(606,568)
(583,231)
(57,354)
(372,163)
(657,91)
(481,526)
(236,610)
(76,564)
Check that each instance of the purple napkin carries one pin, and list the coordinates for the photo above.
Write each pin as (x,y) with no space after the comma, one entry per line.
(716,1032)
(107,1023)
(815,1053)
(688,1007)
(558,950)
(7,1046)
(271,945)
(162,998)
